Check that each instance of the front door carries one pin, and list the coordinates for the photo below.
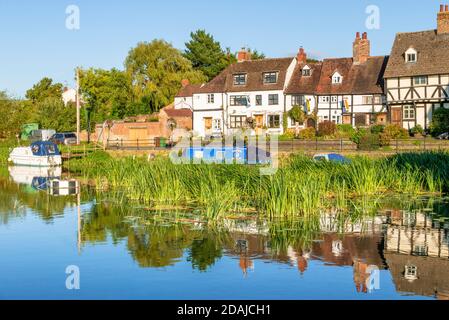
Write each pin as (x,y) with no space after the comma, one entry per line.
(396,116)
(259,123)
(207,125)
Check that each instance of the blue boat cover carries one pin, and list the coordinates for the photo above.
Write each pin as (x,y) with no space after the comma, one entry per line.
(45,148)
(333,157)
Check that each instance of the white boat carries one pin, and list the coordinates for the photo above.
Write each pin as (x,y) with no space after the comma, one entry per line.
(38,154)
(26,174)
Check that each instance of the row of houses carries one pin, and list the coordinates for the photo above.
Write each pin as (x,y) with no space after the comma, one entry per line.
(404,88)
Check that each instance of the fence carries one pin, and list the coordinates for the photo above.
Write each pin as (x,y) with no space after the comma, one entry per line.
(307,146)
(137,144)
(341,145)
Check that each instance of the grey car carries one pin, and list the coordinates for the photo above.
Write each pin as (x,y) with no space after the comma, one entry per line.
(66,138)
(444,136)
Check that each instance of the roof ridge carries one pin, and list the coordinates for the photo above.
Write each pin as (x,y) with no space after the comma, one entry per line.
(414,32)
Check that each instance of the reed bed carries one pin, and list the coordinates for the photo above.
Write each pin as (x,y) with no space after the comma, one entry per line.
(298,189)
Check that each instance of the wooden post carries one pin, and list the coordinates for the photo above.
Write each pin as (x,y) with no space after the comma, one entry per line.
(78,107)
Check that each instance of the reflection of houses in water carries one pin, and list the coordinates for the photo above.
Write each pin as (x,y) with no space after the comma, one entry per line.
(359,249)
(417,253)
(330,222)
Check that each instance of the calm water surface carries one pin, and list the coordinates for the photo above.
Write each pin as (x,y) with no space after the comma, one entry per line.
(124,251)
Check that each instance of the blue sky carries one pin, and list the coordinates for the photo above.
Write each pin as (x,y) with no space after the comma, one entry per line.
(36,43)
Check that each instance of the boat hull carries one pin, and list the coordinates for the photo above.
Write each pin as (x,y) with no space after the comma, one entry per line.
(35,161)
(25,157)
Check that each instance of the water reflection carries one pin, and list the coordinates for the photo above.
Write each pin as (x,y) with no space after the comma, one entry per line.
(408,239)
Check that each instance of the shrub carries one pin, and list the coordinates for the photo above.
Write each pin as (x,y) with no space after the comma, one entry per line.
(440,121)
(418,130)
(395,131)
(384,140)
(288,135)
(377,129)
(369,141)
(358,134)
(345,130)
(307,134)
(327,128)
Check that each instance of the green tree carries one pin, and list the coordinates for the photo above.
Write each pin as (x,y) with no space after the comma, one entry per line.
(256,55)
(51,113)
(297,114)
(108,94)
(44,89)
(15,113)
(156,70)
(206,54)
(440,121)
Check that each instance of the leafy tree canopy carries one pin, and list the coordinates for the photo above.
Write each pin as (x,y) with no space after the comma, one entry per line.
(44,89)
(156,70)
(206,54)
(107,93)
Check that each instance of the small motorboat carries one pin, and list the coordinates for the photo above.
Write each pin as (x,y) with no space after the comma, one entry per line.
(38,154)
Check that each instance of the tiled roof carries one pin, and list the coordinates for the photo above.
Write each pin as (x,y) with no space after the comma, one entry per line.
(254,70)
(188,90)
(365,78)
(303,85)
(178,113)
(432,51)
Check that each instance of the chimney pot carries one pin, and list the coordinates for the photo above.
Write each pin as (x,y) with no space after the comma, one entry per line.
(243,55)
(185,82)
(302,56)
(443,19)
(365,36)
(357,35)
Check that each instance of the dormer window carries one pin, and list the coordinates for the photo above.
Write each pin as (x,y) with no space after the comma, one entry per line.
(337,78)
(306,72)
(411,56)
(240,79)
(270,77)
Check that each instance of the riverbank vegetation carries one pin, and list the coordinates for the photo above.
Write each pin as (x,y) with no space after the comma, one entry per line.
(299,188)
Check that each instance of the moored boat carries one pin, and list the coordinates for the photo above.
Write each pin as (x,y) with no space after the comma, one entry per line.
(38,154)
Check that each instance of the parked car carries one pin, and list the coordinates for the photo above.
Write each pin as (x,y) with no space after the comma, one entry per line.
(331,157)
(444,136)
(41,135)
(66,138)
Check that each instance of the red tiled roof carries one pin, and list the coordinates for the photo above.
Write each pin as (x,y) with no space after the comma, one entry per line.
(178,113)
(188,90)
(303,85)
(364,78)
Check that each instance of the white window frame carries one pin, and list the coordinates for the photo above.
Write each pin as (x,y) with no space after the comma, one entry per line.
(211,98)
(306,71)
(216,125)
(411,56)
(237,79)
(409,113)
(420,80)
(324,99)
(269,122)
(337,78)
(334,99)
(268,75)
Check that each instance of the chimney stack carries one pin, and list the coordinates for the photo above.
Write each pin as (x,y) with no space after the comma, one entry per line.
(243,55)
(302,56)
(443,20)
(185,82)
(361,48)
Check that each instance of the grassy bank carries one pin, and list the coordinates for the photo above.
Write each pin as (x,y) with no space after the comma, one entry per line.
(299,188)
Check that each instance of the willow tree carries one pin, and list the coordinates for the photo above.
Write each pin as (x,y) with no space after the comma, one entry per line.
(156,70)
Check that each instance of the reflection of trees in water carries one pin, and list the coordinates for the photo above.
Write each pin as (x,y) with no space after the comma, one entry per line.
(13,196)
